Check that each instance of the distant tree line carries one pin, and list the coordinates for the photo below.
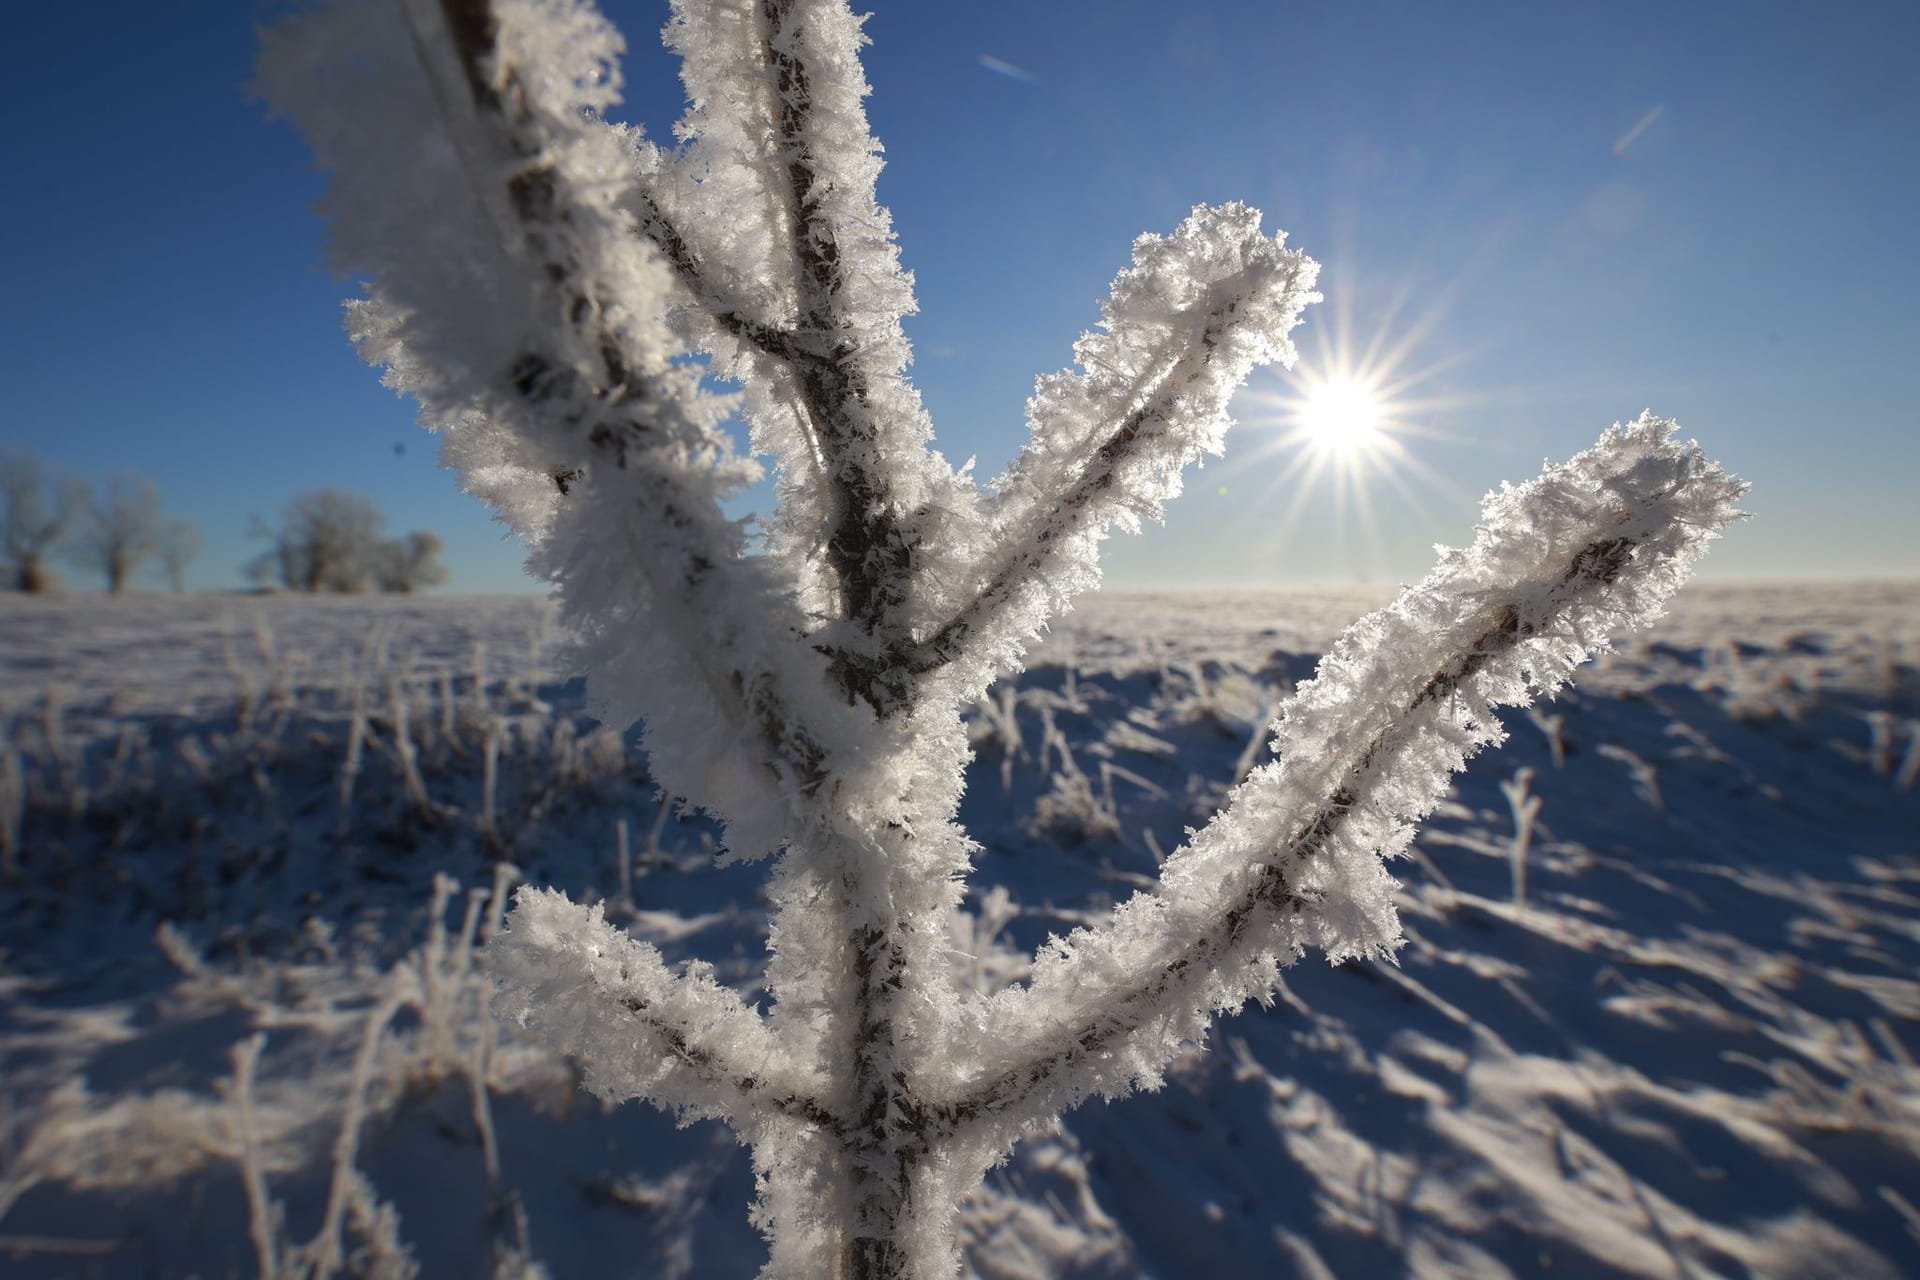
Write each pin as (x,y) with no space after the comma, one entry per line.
(327,540)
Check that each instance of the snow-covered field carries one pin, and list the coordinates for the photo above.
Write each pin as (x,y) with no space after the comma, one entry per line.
(1664,1022)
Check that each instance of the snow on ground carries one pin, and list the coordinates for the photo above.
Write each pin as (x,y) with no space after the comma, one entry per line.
(248,845)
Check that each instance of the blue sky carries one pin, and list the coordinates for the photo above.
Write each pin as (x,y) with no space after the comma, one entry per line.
(1557,214)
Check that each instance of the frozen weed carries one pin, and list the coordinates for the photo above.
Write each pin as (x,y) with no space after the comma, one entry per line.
(1526,809)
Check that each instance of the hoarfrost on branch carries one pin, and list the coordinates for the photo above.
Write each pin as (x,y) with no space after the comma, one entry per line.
(554,291)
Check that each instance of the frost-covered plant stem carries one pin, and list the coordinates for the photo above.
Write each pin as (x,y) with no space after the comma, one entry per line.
(554,324)
(1526,809)
(260,1226)
(406,754)
(490,779)
(1910,765)
(1880,741)
(623,863)
(13,810)
(326,1252)
(1554,727)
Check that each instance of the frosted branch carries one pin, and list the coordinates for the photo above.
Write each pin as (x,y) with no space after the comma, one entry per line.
(771,364)
(726,313)
(1180,331)
(1365,750)
(792,283)
(557,293)
(514,302)
(850,294)
(590,990)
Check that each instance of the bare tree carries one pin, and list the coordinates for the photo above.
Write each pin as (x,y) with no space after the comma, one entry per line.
(325,543)
(118,530)
(409,564)
(36,511)
(179,544)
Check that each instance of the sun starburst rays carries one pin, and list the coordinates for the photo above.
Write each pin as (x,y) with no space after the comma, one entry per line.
(1339,426)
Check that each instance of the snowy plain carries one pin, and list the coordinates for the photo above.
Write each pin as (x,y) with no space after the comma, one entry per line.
(1664,1022)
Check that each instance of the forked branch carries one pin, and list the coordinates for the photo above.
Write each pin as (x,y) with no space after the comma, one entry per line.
(1183,327)
(868,544)
(530,327)
(633,403)
(1366,749)
(827,332)
(771,340)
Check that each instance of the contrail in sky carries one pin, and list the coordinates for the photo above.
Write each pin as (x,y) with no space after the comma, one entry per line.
(1007,69)
(1640,126)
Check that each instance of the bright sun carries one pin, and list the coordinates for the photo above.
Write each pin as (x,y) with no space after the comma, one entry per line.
(1338,428)
(1343,417)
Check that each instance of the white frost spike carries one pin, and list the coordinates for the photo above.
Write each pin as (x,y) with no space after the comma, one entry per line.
(581,983)
(551,290)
